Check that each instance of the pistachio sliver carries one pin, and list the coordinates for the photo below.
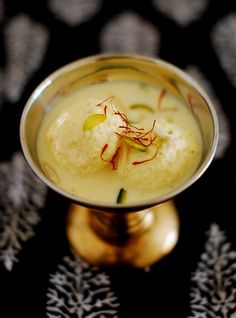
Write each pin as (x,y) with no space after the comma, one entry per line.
(93,120)
(142,106)
(135,145)
(159,141)
(122,196)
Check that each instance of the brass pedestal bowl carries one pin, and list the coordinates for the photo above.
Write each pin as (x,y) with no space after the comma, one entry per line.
(136,234)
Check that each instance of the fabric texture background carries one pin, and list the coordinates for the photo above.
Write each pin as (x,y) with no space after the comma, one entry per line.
(39,275)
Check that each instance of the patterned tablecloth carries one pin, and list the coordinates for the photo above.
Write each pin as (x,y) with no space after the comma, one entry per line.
(39,275)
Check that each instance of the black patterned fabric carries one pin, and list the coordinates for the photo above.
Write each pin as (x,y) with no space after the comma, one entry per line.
(39,275)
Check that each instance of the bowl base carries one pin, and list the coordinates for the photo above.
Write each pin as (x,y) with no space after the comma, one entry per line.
(139,248)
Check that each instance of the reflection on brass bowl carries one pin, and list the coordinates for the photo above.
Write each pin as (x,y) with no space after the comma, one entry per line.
(140,231)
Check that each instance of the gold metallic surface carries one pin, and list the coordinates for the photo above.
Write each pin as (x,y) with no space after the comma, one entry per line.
(135,239)
(107,234)
(110,68)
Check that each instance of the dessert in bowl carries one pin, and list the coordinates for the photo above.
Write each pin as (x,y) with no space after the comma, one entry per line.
(119,134)
(112,136)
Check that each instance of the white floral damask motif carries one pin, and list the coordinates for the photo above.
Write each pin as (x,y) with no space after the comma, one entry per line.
(22,195)
(214,281)
(74,12)
(129,33)
(224,126)
(79,290)
(25,42)
(182,11)
(223,38)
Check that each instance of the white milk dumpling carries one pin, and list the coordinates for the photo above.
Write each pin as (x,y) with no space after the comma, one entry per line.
(78,136)
(115,137)
(172,157)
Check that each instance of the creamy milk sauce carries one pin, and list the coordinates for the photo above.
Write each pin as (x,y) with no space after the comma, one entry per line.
(104,185)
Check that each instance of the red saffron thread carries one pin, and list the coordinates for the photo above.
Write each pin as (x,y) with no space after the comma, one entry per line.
(105,106)
(105,100)
(132,133)
(136,134)
(104,149)
(160,98)
(114,160)
(190,100)
(147,160)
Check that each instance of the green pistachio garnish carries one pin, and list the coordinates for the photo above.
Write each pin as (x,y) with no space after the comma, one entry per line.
(159,141)
(142,106)
(93,120)
(122,196)
(135,145)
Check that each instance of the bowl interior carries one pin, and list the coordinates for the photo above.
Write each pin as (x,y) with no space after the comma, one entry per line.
(111,68)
